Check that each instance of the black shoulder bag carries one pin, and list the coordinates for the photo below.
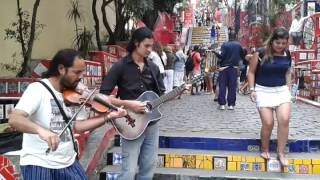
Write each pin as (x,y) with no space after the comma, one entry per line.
(64,115)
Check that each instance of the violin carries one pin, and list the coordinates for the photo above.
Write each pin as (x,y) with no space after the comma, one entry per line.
(98,102)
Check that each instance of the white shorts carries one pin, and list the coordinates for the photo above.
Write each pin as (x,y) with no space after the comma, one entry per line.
(272,96)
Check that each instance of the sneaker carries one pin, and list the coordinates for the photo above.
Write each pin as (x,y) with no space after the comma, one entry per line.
(230,108)
(222,107)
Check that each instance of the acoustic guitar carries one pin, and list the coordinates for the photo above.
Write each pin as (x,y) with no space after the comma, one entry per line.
(134,124)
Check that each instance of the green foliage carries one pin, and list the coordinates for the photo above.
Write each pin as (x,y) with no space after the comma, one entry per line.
(84,41)
(75,12)
(13,31)
(137,8)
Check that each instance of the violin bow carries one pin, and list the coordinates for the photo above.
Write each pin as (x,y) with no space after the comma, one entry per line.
(75,115)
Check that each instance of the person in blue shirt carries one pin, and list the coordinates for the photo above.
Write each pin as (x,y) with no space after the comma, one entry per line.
(231,53)
(269,81)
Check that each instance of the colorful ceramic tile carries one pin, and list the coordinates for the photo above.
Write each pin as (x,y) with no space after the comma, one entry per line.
(257,167)
(220,163)
(189,161)
(316,169)
(236,158)
(259,160)
(199,162)
(117,159)
(208,162)
(306,161)
(297,161)
(160,162)
(167,161)
(112,176)
(250,159)
(303,169)
(232,166)
(273,165)
(177,162)
(253,148)
(315,161)
(291,168)
(244,166)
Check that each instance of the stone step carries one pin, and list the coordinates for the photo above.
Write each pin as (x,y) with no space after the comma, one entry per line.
(112,172)
(299,163)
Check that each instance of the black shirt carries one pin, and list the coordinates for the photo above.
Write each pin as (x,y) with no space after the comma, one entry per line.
(131,81)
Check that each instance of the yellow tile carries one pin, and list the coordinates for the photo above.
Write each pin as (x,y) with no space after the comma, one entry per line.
(290,161)
(263,167)
(297,169)
(285,169)
(207,164)
(232,166)
(167,161)
(177,162)
(306,161)
(316,169)
(250,159)
(310,169)
(230,158)
(250,167)
(297,161)
(236,158)
(199,162)
(315,161)
(260,160)
(243,159)
(189,161)
(238,166)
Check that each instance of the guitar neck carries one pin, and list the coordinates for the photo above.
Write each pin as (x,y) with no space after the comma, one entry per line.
(166,97)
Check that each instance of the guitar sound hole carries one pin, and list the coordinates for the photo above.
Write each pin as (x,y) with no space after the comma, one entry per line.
(130,121)
(148,107)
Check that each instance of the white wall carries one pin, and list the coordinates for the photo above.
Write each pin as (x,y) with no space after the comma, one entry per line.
(58,32)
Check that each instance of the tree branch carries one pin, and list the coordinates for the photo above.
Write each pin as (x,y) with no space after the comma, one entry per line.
(105,21)
(23,46)
(27,56)
(96,26)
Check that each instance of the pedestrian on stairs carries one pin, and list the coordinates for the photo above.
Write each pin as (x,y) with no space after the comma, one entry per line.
(269,81)
(231,53)
(196,71)
(213,34)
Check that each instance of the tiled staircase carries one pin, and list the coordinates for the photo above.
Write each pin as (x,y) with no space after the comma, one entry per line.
(200,35)
(209,158)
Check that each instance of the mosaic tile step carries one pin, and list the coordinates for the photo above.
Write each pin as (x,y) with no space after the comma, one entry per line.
(299,163)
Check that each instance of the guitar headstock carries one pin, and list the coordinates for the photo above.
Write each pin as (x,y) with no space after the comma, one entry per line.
(195,79)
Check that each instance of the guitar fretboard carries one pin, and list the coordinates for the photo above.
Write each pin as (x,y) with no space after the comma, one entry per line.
(170,95)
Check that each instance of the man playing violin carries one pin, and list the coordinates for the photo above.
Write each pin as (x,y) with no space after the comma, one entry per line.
(133,75)
(39,117)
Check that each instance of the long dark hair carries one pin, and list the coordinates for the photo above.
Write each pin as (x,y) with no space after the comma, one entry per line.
(64,57)
(138,36)
(279,33)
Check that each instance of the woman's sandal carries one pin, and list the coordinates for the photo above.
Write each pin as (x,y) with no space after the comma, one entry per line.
(283,161)
(265,155)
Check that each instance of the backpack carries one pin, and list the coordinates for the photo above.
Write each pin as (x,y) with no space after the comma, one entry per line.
(189,63)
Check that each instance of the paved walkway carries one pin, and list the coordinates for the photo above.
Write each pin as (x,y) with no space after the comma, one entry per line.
(198,116)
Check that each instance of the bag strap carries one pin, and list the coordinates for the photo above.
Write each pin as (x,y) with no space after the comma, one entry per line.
(162,61)
(64,115)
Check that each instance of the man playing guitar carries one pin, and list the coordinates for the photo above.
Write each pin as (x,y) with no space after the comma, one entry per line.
(134,75)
